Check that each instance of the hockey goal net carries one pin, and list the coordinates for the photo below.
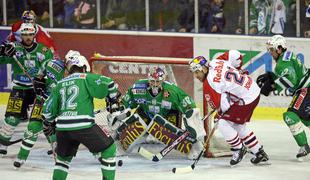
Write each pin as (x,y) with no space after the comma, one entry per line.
(125,70)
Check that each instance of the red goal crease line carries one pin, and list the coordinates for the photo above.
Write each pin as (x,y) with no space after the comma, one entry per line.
(141,59)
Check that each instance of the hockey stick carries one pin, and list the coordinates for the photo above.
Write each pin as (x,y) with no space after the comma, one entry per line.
(22,68)
(9,143)
(193,165)
(157,157)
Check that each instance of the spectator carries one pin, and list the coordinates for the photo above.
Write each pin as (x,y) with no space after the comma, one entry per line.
(212,16)
(115,15)
(68,13)
(187,17)
(164,15)
(235,12)
(85,14)
(41,7)
(267,17)
(305,10)
(136,15)
(58,12)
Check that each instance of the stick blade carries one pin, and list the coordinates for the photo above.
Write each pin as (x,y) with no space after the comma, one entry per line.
(145,153)
(157,157)
(182,170)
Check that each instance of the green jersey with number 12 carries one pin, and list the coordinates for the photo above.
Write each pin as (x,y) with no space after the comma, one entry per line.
(71,100)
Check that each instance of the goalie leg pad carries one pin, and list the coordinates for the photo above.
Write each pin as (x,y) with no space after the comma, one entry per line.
(131,132)
(194,124)
(165,132)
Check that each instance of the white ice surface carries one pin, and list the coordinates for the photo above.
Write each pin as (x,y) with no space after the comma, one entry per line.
(274,135)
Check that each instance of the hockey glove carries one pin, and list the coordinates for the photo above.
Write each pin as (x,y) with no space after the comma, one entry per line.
(39,87)
(266,83)
(113,102)
(9,49)
(49,128)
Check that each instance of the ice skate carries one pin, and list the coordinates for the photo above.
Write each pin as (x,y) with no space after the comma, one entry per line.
(238,155)
(3,150)
(303,152)
(260,157)
(18,163)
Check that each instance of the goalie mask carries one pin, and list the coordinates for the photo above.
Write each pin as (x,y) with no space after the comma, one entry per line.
(79,61)
(156,77)
(29,16)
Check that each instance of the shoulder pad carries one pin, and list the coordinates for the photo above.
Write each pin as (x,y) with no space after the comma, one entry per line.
(287,56)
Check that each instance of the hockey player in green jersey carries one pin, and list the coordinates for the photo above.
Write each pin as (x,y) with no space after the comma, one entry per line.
(289,74)
(43,84)
(71,102)
(32,57)
(160,103)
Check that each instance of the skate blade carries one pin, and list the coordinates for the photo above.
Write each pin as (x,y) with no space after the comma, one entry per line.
(263,164)
(302,159)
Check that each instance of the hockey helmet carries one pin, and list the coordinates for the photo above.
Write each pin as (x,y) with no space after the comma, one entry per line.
(275,41)
(27,28)
(72,54)
(79,61)
(156,74)
(29,16)
(197,63)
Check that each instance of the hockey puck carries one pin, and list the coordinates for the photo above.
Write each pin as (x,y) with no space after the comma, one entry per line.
(173,170)
(120,163)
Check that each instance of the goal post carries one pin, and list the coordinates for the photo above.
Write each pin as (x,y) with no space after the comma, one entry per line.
(125,70)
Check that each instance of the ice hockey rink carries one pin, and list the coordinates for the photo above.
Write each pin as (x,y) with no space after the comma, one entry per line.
(274,135)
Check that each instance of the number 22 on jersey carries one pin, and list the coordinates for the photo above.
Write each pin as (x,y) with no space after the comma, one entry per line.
(233,76)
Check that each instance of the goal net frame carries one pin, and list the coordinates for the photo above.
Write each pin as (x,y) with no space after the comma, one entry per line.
(213,151)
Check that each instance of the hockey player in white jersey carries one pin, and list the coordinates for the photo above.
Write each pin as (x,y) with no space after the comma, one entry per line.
(234,95)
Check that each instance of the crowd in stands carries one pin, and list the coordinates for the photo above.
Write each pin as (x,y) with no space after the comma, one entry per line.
(266,17)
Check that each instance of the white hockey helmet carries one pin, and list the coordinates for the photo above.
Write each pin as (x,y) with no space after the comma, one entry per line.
(79,61)
(27,28)
(197,63)
(72,54)
(276,41)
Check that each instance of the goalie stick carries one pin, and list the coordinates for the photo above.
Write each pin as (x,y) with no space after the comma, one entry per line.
(157,157)
(193,165)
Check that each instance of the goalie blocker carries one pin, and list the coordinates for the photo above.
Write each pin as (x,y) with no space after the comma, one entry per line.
(131,131)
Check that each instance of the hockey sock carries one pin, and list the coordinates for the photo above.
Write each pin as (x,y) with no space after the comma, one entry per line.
(61,167)
(230,134)
(251,142)
(108,163)
(293,121)
(248,137)
(30,137)
(9,125)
